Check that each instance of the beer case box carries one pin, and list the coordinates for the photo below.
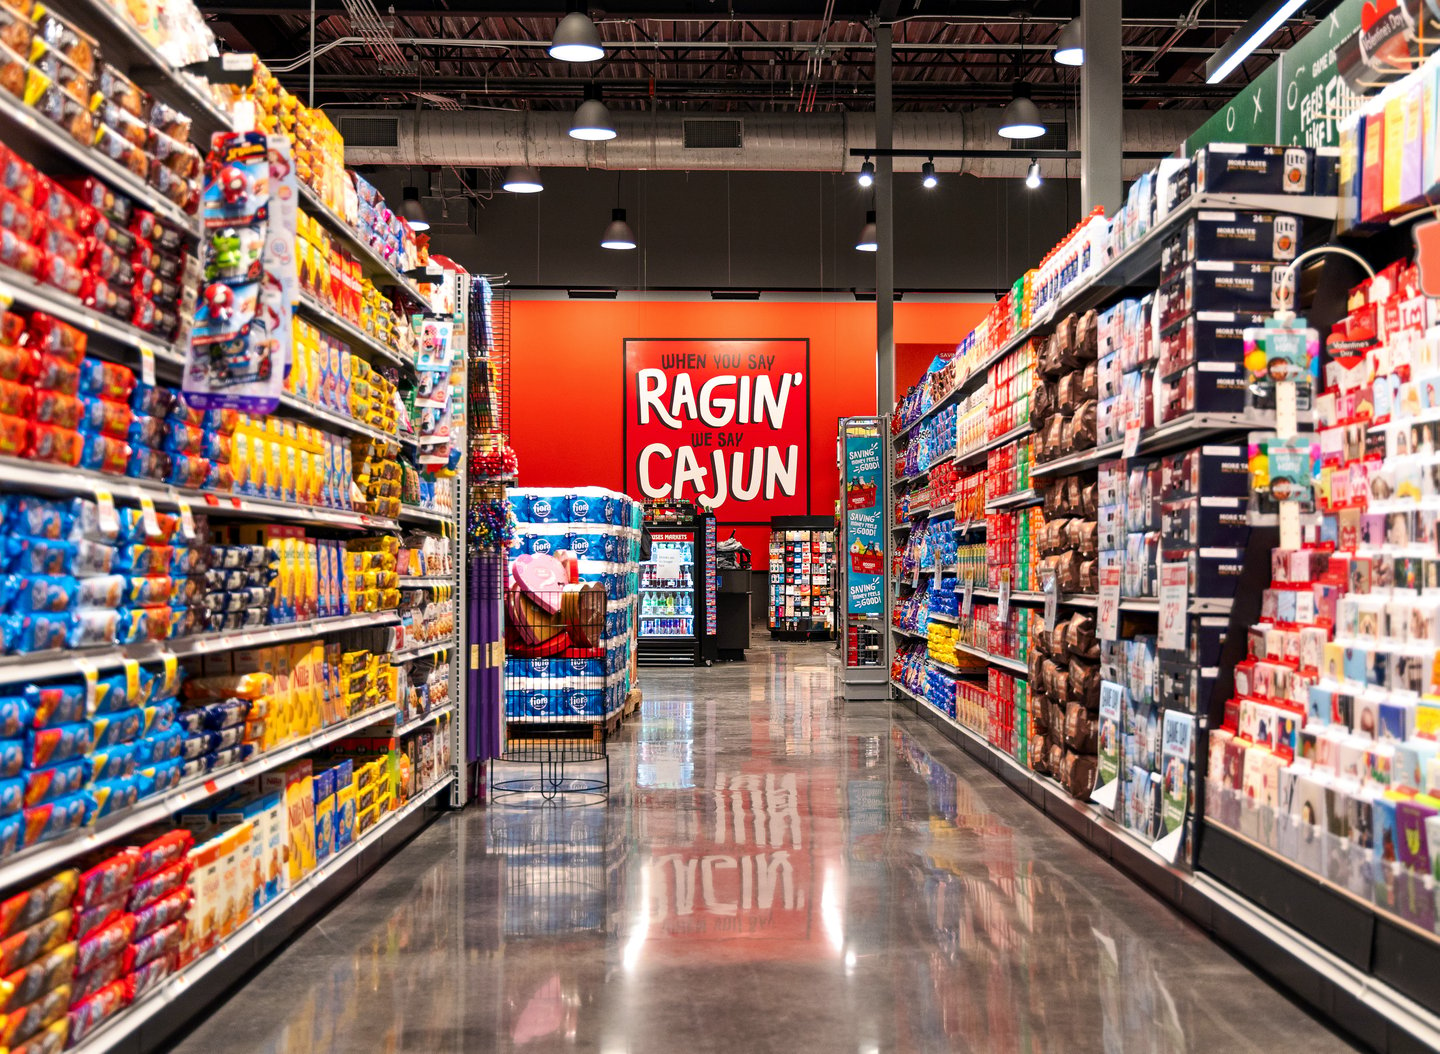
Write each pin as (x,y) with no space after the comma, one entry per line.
(1204,521)
(1234,236)
(1213,572)
(1185,686)
(1205,336)
(1224,285)
(1206,387)
(1213,470)
(1248,168)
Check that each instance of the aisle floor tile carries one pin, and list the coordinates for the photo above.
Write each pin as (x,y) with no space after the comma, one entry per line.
(777,871)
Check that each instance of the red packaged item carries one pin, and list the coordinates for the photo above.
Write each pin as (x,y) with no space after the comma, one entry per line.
(35,979)
(56,408)
(98,196)
(104,943)
(20,254)
(63,209)
(103,260)
(147,225)
(12,327)
(106,880)
(102,296)
(154,886)
(16,399)
(60,446)
(38,902)
(47,333)
(18,176)
(58,271)
(62,242)
(55,374)
(97,977)
(149,975)
(163,852)
(89,1014)
(154,318)
(19,217)
(92,920)
(19,1025)
(29,944)
(14,436)
(161,913)
(49,1040)
(162,942)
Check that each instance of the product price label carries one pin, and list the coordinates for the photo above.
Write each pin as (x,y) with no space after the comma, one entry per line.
(1003,606)
(1132,439)
(1107,617)
(148,516)
(147,364)
(106,517)
(1174,602)
(967,602)
(187,520)
(1052,600)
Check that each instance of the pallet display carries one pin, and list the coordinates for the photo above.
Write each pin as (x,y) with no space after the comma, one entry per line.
(1133,642)
(802,576)
(213,671)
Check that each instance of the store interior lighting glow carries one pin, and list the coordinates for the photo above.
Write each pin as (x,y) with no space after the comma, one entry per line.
(1070,44)
(576,39)
(1021,118)
(592,123)
(413,210)
(927,174)
(869,241)
(867,173)
(1247,38)
(523,179)
(618,234)
(1032,178)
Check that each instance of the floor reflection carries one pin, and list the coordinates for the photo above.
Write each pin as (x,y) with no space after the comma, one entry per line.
(776,871)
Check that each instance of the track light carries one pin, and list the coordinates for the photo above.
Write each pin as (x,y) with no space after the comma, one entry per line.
(1032,178)
(619,234)
(576,39)
(1070,44)
(523,179)
(867,173)
(412,211)
(1021,118)
(868,242)
(927,174)
(1247,38)
(592,122)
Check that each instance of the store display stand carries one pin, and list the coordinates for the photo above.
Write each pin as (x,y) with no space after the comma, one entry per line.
(802,572)
(864,601)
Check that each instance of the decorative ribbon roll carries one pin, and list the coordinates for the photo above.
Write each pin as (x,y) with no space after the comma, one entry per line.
(582,606)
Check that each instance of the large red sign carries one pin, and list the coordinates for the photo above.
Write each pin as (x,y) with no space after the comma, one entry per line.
(722,423)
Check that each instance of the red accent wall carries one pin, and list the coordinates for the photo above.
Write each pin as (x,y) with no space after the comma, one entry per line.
(566,386)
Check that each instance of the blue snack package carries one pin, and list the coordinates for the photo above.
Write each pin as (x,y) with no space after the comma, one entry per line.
(62,703)
(50,746)
(43,822)
(111,693)
(111,763)
(12,796)
(145,591)
(51,593)
(40,631)
(39,517)
(113,795)
(56,781)
(159,683)
(29,554)
(15,716)
(12,758)
(121,727)
(156,779)
(152,399)
(138,559)
(147,463)
(158,747)
(11,830)
(146,431)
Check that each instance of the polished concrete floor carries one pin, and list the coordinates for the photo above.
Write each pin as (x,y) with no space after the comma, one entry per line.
(775,871)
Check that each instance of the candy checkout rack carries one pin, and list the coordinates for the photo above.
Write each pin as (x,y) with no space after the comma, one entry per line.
(230,435)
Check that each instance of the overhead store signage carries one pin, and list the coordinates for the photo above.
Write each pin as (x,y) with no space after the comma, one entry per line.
(1250,117)
(722,423)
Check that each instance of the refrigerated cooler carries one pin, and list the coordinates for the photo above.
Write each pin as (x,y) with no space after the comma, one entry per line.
(677,591)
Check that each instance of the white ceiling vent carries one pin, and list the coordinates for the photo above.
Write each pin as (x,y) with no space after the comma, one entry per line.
(727,134)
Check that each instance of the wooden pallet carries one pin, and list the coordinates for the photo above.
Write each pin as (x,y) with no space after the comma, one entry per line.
(632,702)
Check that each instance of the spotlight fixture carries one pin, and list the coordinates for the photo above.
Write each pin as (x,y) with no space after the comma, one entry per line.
(523,179)
(412,211)
(619,234)
(867,173)
(927,174)
(868,242)
(1070,44)
(1247,38)
(592,122)
(1032,178)
(576,39)
(1021,118)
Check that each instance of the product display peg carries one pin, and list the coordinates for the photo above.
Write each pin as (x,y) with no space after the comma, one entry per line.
(1003,606)
(967,603)
(1107,616)
(1049,587)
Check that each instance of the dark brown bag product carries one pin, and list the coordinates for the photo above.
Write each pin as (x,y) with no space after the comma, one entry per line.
(1067,572)
(1084,681)
(1081,729)
(1039,760)
(1074,496)
(1042,401)
(1079,777)
(1060,643)
(1082,426)
(1049,491)
(1087,386)
(1082,633)
(1062,339)
(1050,678)
(1087,337)
(1053,437)
(1065,393)
(1090,500)
(1089,576)
(1055,758)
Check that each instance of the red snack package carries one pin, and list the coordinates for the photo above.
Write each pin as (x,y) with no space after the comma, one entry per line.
(49,1040)
(18,176)
(53,374)
(154,318)
(149,975)
(91,920)
(56,408)
(165,851)
(47,333)
(98,196)
(160,913)
(107,879)
(19,217)
(104,261)
(62,242)
(162,942)
(64,209)
(38,902)
(61,446)
(104,943)
(97,977)
(16,399)
(102,296)
(159,884)
(91,1013)
(30,982)
(20,254)
(58,270)
(14,436)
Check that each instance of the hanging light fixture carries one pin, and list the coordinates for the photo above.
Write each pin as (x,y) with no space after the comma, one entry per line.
(1032,178)
(619,234)
(869,241)
(412,211)
(1021,118)
(1260,27)
(523,179)
(927,174)
(867,173)
(1070,44)
(592,122)
(576,39)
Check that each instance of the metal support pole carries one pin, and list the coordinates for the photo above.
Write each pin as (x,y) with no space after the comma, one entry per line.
(1102,114)
(884,227)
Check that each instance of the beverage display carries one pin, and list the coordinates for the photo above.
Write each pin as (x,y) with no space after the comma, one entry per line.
(667,590)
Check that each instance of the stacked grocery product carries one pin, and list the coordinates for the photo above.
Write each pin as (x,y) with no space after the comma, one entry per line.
(1065,394)
(570,604)
(802,563)
(1064,702)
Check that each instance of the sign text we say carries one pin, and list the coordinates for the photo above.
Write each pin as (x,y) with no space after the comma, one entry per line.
(723,423)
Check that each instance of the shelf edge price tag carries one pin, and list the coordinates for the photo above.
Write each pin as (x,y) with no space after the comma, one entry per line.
(107,518)
(1132,439)
(1107,618)
(1050,587)
(147,364)
(148,516)
(968,602)
(187,519)
(1174,600)
(1003,606)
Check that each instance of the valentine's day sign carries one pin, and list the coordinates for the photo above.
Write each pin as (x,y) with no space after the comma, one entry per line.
(722,423)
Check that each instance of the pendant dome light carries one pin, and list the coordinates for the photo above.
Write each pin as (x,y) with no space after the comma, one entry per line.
(1021,118)
(592,122)
(1032,177)
(867,173)
(927,175)
(1070,44)
(523,179)
(618,234)
(412,210)
(576,39)
(869,241)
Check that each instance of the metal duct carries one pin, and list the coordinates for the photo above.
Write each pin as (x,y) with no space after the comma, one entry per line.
(771,142)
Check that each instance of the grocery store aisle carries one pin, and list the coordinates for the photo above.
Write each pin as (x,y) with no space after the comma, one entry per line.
(776,871)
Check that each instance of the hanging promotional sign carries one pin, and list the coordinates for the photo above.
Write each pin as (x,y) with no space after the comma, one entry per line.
(722,423)
(864,551)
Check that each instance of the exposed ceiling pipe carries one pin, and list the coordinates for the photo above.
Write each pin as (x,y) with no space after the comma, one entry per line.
(771,142)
